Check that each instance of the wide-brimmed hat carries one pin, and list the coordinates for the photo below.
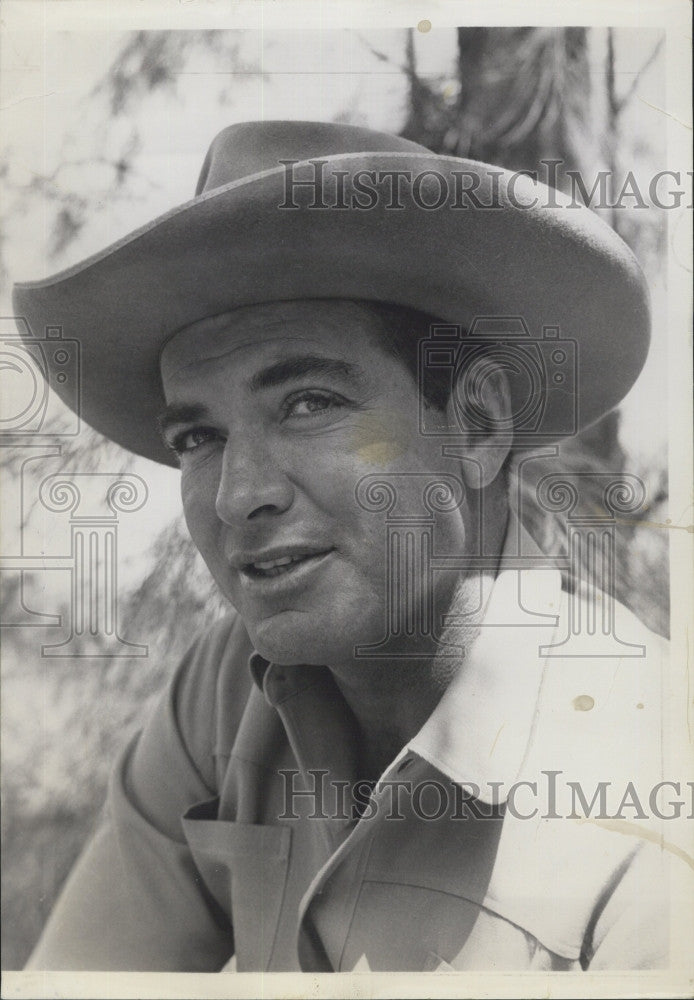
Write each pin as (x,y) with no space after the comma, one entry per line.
(290,210)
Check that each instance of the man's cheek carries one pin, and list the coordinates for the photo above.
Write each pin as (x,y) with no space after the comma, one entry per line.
(203,524)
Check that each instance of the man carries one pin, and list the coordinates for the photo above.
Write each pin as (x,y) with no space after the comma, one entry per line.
(333,780)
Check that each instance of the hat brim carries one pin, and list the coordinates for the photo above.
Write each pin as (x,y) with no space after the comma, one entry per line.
(559,267)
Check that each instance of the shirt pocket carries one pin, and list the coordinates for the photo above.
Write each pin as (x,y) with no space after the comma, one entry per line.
(244,866)
(434,963)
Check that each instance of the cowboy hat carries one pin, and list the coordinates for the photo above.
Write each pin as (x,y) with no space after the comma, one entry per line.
(289,210)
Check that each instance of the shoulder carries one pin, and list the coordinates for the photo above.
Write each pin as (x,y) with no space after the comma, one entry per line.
(595,756)
(600,714)
(604,663)
(172,763)
(210,689)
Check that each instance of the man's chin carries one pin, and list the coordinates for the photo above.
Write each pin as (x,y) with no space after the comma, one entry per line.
(294,637)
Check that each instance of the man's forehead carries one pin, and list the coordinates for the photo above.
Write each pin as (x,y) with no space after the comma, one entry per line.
(303,319)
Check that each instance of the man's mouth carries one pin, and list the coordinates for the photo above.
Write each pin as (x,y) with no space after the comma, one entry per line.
(281,564)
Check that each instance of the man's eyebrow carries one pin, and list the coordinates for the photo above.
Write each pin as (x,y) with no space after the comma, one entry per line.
(276,374)
(306,364)
(181,413)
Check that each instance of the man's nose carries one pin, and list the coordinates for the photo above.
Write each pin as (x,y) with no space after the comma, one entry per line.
(252,484)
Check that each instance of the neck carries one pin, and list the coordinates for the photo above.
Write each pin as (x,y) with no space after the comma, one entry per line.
(390,702)
(391,699)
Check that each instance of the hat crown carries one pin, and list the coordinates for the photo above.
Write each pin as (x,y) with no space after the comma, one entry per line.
(248,148)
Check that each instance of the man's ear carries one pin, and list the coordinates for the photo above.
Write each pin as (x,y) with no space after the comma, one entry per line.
(480,406)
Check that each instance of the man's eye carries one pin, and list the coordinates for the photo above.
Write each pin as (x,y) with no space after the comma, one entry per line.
(311,402)
(189,440)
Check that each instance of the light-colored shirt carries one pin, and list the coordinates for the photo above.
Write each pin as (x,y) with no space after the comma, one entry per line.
(216,842)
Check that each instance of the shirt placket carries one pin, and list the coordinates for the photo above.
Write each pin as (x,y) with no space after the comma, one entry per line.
(338,908)
(323,736)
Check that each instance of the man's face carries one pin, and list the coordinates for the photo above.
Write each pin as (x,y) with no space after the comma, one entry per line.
(277,414)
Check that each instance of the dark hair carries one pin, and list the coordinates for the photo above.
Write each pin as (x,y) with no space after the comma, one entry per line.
(401,331)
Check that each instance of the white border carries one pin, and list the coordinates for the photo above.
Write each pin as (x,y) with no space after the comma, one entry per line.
(39,17)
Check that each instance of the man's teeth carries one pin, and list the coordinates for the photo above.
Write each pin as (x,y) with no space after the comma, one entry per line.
(277,565)
(284,561)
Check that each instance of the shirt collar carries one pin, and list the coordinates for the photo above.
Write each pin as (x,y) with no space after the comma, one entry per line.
(479,733)
(278,683)
(258,667)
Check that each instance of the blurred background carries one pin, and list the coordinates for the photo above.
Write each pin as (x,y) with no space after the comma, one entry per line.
(112,130)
